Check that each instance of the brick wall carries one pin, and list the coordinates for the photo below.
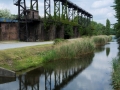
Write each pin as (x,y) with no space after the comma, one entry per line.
(8,31)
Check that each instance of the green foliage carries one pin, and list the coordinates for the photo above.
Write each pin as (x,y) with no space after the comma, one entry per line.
(117,10)
(81,30)
(116,73)
(101,40)
(5,13)
(107,27)
(59,40)
(98,28)
(68,30)
(89,30)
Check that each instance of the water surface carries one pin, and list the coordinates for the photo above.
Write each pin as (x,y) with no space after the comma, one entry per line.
(91,72)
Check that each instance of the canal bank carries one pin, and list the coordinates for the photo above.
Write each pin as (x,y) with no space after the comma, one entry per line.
(23,58)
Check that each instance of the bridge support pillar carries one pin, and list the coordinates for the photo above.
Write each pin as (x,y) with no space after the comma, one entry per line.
(41,32)
(75,32)
(60,31)
(51,32)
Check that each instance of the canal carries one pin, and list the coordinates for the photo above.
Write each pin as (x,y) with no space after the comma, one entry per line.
(91,72)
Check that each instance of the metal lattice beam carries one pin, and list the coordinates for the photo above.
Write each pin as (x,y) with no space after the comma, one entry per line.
(64,11)
(70,14)
(47,9)
(75,15)
(22,17)
(34,5)
(57,9)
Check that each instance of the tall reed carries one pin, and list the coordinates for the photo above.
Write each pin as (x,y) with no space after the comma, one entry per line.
(101,40)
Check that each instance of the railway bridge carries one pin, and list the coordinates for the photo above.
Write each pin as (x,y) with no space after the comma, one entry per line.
(65,22)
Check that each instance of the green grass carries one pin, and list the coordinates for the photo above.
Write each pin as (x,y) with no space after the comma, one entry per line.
(29,57)
(116,74)
(59,40)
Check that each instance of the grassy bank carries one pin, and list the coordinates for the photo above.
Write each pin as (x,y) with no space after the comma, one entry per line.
(23,58)
(101,40)
(116,74)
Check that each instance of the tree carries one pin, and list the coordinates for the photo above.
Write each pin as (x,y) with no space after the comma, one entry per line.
(107,27)
(117,9)
(98,28)
(5,13)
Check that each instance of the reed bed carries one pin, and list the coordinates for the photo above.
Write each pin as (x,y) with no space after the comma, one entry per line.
(101,40)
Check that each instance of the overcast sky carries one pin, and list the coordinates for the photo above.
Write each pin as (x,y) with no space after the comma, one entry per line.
(100,9)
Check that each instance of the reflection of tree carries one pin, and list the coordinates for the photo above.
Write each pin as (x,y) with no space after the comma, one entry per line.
(58,73)
(118,41)
(99,49)
(107,51)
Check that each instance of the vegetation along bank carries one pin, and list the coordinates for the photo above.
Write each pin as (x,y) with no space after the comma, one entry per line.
(34,56)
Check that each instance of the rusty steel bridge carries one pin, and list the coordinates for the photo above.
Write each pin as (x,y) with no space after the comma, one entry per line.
(30,23)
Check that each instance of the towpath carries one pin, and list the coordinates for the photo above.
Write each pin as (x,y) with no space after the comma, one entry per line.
(12,44)
(9,45)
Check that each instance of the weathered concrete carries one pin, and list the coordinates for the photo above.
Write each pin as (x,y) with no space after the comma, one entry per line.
(6,73)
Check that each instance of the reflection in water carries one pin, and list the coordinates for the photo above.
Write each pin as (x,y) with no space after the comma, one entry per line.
(118,41)
(85,73)
(99,49)
(56,75)
(107,51)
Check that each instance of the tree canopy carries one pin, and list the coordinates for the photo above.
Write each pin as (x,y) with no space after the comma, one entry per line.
(117,10)
(107,27)
(5,13)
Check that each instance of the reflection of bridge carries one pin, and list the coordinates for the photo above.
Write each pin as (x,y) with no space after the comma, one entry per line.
(55,79)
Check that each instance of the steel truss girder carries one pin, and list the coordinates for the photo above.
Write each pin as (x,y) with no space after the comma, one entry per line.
(57,10)
(70,14)
(64,11)
(75,15)
(34,4)
(84,21)
(22,16)
(47,9)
